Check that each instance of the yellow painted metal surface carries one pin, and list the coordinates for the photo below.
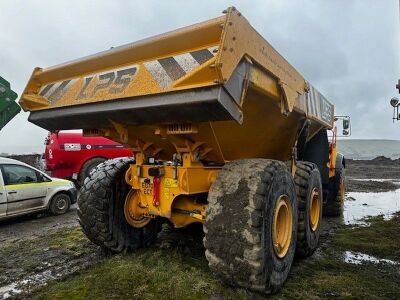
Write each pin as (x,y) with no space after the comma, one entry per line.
(282,226)
(176,189)
(141,68)
(201,55)
(315,209)
(332,159)
(270,96)
(240,39)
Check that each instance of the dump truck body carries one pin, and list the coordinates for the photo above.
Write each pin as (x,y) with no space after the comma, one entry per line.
(221,126)
(8,108)
(208,72)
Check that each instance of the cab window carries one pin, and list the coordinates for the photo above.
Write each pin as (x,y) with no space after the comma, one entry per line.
(15,174)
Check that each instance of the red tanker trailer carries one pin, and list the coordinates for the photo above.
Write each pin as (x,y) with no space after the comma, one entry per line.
(71,155)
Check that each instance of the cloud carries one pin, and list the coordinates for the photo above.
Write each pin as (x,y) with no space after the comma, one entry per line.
(349,50)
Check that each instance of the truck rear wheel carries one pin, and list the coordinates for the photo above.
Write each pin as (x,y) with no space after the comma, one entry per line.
(101,209)
(336,195)
(87,167)
(309,196)
(251,224)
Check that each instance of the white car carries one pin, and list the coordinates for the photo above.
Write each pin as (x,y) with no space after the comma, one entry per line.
(24,190)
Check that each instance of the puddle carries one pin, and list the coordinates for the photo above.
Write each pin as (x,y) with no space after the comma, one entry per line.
(26,284)
(358,258)
(394,180)
(359,205)
(9,291)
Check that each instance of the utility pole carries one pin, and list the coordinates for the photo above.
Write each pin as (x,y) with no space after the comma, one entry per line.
(395,102)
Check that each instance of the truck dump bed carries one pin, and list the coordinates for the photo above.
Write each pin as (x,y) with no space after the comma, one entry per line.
(8,108)
(218,74)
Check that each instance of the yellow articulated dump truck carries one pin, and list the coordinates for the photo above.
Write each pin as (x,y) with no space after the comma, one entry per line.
(225,133)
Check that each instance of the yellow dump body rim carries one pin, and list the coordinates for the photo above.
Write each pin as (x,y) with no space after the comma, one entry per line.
(282,226)
(315,209)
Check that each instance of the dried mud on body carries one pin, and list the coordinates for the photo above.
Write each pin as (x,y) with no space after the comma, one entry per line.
(50,258)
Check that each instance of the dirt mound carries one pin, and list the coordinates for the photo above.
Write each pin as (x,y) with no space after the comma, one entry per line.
(382,159)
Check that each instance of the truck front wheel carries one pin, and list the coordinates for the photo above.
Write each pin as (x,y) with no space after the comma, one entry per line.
(101,209)
(336,195)
(251,224)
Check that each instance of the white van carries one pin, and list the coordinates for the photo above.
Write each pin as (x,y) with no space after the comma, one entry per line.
(24,190)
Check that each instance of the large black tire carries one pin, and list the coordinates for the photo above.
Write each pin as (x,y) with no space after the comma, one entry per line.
(308,182)
(60,204)
(238,228)
(101,209)
(333,206)
(87,167)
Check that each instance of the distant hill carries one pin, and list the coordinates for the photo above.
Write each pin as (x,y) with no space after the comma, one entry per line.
(369,149)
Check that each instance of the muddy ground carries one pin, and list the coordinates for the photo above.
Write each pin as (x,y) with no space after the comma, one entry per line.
(378,175)
(47,257)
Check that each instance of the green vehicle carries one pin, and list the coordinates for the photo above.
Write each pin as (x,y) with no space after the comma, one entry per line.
(8,107)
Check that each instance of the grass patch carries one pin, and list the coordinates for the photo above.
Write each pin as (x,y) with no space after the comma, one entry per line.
(147,274)
(380,239)
(73,241)
(180,271)
(330,277)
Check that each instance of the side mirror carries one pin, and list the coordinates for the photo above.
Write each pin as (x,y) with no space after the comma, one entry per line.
(346,124)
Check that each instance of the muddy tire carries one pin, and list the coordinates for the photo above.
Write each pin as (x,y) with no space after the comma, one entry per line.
(101,209)
(240,221)
(335,197)
(87,168)
(309,199)
(60,204)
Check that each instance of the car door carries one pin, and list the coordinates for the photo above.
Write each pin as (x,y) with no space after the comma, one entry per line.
(3,198)
(23,188)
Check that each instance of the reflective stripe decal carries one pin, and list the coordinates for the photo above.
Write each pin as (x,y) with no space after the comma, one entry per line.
(187,62)
(79,147)
(318,106)
(53,92)
(201,56)
(25,185)
(171,66)
(158,73)
(164,71)
(169,69)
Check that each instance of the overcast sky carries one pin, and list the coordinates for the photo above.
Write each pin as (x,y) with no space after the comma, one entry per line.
(349,50)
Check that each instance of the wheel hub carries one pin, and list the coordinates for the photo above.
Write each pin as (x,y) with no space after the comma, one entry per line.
(134,210)
(282,226)
(61,204)
(315,209)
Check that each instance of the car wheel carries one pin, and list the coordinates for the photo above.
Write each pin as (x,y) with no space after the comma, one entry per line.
(60,204)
